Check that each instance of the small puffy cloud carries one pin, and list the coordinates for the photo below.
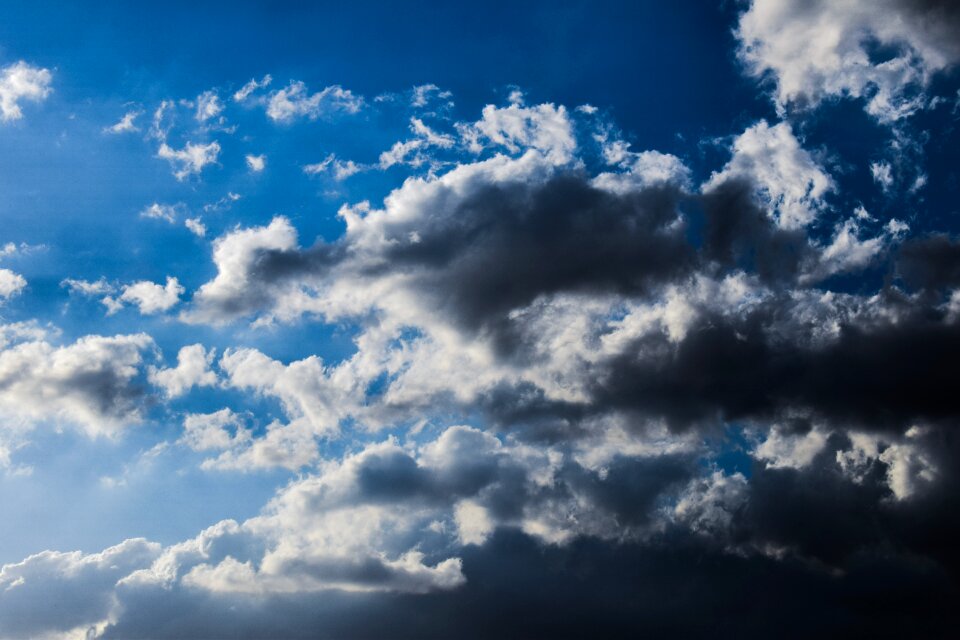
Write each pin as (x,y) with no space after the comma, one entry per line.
(125,124)
(22,82)
(91,383)
(786,178)
(157,211)
(295,101)
(191,159)
(10,283)
(244,92)
(151,297)
(196,226)
(256,163)
(192,370)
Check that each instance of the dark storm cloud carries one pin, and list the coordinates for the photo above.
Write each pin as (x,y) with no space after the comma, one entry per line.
(727,369)
(505,245)
(740,234)
(518,588)
(929,263)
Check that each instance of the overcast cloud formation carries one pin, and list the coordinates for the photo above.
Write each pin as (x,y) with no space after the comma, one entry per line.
(360,360)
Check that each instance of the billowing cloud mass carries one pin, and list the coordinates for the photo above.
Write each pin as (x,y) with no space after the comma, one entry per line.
(511,372)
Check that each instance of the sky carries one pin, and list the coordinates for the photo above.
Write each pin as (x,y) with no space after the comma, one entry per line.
(539,319)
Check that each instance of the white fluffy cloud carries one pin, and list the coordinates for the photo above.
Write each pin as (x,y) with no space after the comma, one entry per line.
(786,177)
(10,283)
(193,369)
(545,127)
(22,82)
(256,163)
(91,383)
(151,297)
(821,49)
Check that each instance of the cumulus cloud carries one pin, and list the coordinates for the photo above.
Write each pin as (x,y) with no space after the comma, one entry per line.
(91,383)
(544,127)
(84,585)
(11,283)
(151,297)
(193,369)
(20,82)
(256,163)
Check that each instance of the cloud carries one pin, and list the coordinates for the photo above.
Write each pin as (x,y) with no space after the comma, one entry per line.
(11,284)
(91,383)
(294,101)
(151,297)
(83,583)
(821,50)
(424,94)
(412,152)
(196,226)
(339,169)
(544,127)
(21,81)
(208,106)
(217,431)
(88,288)
(788,180)
(193,369)
(191,159)
(157,211)
(244,92)
(125,124)
(256,163)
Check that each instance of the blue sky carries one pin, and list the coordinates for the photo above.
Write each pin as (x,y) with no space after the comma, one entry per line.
(350,301)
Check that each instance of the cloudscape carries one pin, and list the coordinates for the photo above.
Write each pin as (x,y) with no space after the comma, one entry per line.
(439,320)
